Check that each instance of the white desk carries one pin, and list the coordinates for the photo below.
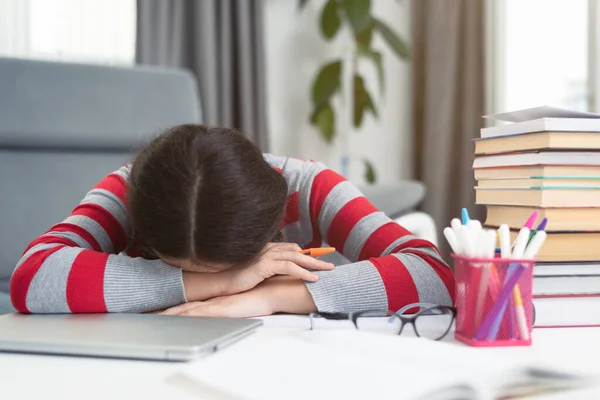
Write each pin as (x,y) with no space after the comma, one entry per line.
(52,377)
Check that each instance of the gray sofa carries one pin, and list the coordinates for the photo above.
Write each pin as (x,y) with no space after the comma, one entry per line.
(64,126)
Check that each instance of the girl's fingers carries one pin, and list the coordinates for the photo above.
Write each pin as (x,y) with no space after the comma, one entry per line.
(180,309)
(292,269)
(200,311)
(303,260)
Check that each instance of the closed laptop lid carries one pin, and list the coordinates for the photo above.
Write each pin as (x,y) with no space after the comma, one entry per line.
(143,336)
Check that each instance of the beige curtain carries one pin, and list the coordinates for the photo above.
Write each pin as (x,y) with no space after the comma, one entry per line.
(448,101)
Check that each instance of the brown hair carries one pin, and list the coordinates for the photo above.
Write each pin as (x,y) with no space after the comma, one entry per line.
(205,194)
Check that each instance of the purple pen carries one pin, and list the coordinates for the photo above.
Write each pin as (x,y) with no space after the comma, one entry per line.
(500,303)
(495,324)
(542,225)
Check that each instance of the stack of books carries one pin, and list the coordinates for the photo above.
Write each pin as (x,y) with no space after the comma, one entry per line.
(547,159)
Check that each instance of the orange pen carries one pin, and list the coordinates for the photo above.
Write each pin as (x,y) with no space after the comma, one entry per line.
(319,251)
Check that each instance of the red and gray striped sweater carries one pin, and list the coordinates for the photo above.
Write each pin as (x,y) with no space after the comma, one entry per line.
(87,263)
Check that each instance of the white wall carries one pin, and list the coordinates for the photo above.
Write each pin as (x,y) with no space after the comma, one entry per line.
(295,51)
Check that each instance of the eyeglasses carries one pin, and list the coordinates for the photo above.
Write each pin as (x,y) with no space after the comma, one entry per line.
(431,321)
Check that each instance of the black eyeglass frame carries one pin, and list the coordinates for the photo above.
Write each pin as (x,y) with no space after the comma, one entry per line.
(404,319)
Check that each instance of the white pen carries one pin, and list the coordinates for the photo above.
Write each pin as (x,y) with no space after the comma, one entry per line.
(530,251)
(518,252)
(474,225)
(520,243)
(467,245)
(504,232)
(487,247)
(475,232)
(452,241)
(456,224)
(491,244)
(535,245)
(477,239)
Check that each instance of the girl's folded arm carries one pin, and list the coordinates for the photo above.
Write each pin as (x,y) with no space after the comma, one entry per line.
(389,267)
(75,266)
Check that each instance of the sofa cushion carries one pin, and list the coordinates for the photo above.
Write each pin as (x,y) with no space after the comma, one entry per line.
(395,199)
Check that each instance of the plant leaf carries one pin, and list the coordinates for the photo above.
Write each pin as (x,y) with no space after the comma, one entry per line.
(358,13)
(359,100)
(326,83)
(313,115)
(370,175)
(330,19)
(302,3)
(392,39)
(362,101)
(316,111)
(363,38)
(324,119)
(378,61)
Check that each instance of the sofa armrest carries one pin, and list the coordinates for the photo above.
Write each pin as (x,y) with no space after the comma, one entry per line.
(5,304)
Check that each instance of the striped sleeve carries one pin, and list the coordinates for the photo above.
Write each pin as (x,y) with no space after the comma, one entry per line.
(75,266)
(390,267)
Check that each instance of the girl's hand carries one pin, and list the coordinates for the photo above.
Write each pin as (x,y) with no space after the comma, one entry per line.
(281,294)
(279,259)
(242,305)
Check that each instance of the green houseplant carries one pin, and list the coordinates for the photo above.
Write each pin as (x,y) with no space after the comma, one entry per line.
(355,18)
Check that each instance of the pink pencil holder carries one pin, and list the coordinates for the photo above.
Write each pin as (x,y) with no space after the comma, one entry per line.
(493,301)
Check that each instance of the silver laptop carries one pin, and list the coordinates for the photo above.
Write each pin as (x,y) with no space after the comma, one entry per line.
(139,336)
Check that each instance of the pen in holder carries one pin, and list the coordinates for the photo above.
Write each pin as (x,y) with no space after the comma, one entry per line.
(502,316)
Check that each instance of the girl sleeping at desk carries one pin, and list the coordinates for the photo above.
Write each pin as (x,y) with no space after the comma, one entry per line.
(203,224)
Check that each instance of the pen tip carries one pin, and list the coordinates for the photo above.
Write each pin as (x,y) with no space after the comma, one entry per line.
(531,220)
(465,216)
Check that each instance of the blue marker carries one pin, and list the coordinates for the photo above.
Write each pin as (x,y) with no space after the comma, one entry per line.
(465,216)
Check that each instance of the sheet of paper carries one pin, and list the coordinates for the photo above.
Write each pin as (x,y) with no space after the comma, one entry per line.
(352,365)
(539,112)
(490,373)
(289,367)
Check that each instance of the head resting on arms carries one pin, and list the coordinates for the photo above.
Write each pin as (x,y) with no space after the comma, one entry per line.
(204,199)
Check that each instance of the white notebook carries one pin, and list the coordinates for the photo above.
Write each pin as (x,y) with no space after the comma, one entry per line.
(568,284)
(566,268)
(349,364)
(542,119)
(538,158)
(528,114)
(575,311)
